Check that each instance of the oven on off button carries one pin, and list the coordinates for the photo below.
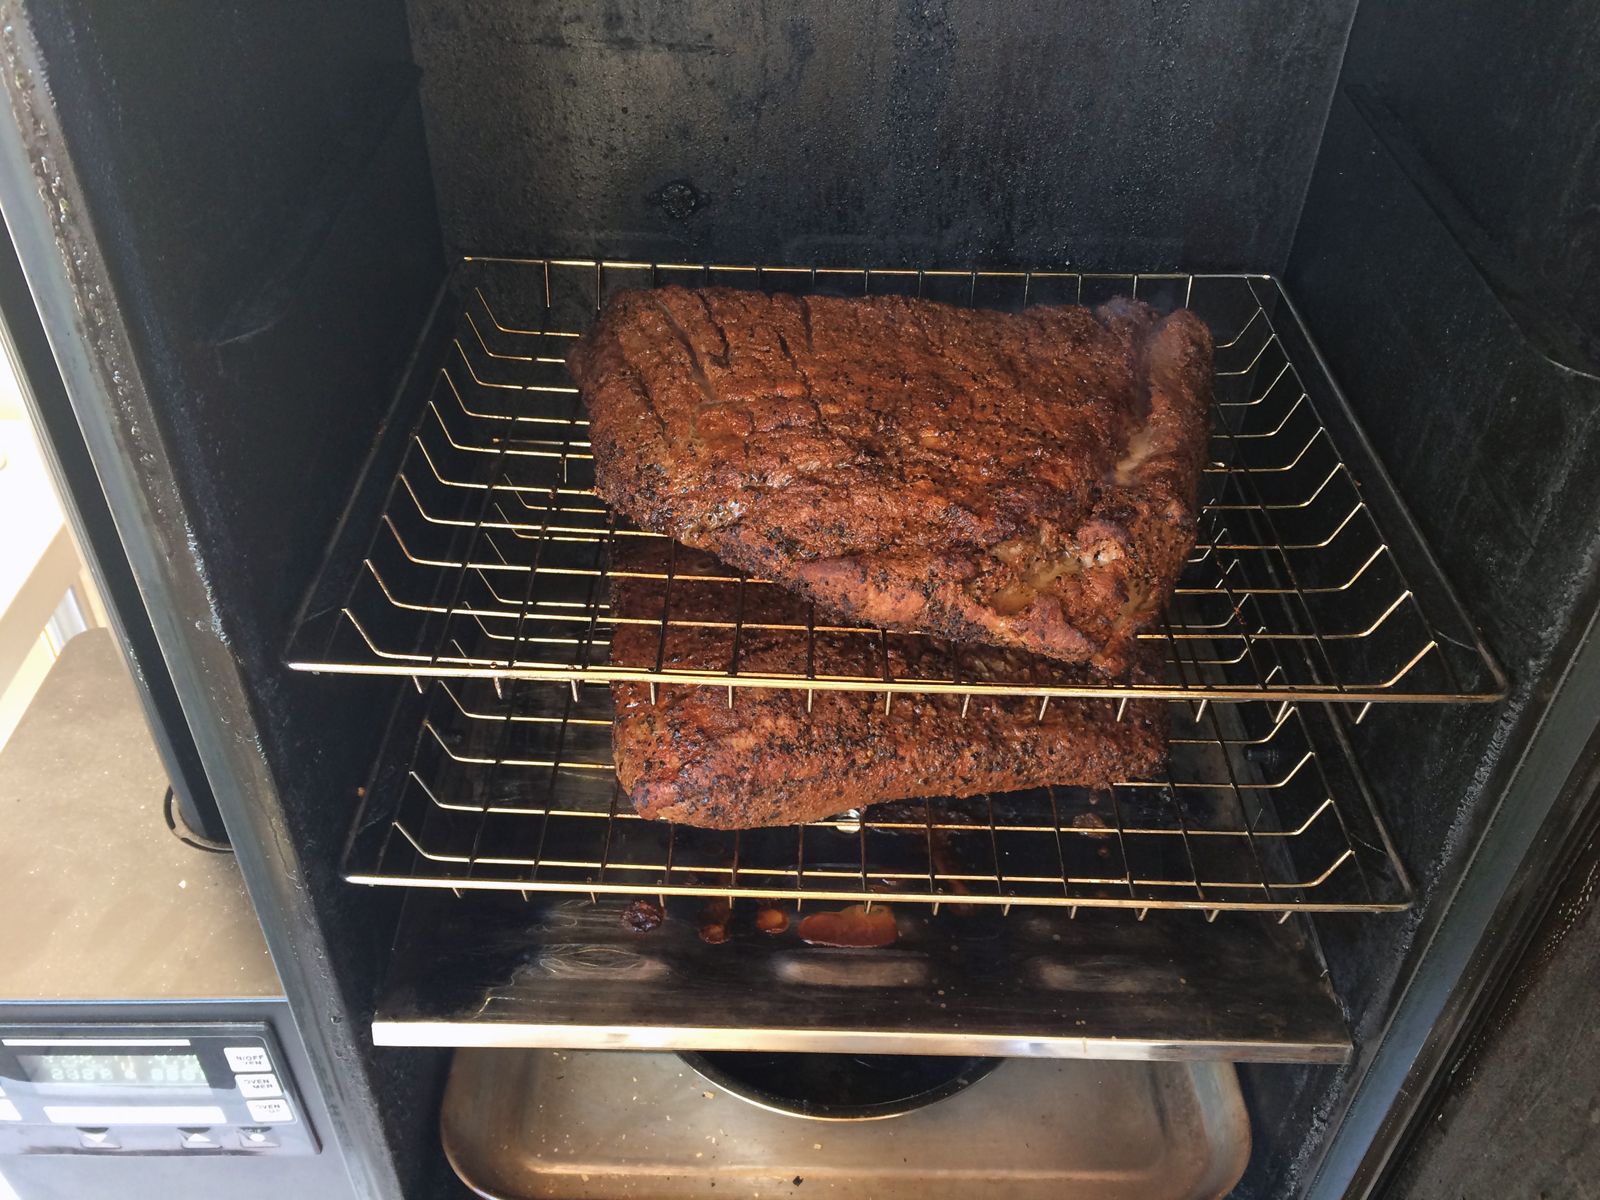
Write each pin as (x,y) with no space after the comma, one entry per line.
(260,1086)
(247,1058)
(270,1112)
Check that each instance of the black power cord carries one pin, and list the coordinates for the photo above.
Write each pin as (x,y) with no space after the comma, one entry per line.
(186,835)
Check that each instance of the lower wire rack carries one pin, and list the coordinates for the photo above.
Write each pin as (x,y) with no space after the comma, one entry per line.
(509,785)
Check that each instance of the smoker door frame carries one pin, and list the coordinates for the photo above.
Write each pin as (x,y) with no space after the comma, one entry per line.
(1545,814)
(94,530)
(95,370)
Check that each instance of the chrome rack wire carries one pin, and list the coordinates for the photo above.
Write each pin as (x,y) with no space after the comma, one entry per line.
(489,784)
(490,555)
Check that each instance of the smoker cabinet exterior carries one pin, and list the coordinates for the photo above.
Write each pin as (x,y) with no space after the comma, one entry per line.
(230,237)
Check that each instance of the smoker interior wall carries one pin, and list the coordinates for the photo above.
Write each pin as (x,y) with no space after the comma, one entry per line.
(1502,104)
(1495,449)
(257,177)
(961,132)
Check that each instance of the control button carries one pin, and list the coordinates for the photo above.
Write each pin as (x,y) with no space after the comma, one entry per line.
(197,1139)
(270,1112)
(253,1137)
(8,1111)
(247,1058)
(260,1086)
(97,1139)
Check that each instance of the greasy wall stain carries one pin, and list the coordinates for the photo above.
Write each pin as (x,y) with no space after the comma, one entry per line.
(896,132)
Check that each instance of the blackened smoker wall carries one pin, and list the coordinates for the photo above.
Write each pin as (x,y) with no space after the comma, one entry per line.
(1486,112)
(1145,135)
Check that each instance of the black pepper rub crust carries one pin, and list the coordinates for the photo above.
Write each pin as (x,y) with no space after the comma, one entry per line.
(767,761)
(1024,480)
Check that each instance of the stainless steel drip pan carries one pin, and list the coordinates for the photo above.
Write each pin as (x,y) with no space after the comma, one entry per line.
(599,1124)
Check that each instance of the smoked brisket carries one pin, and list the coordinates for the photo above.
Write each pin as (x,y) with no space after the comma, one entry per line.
(773,759)
(1025,480)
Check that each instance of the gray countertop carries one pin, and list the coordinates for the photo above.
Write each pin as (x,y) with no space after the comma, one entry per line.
(100,899)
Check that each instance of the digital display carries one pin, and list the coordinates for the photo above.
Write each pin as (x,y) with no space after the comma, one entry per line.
(113,1070)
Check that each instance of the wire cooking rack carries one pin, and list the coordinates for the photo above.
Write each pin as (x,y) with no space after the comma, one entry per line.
(490,555)
(487,784)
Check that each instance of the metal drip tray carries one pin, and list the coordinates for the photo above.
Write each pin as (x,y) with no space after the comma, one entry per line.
(499,971)
(587,1124)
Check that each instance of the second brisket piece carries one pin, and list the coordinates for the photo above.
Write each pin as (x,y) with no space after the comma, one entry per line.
(768,760)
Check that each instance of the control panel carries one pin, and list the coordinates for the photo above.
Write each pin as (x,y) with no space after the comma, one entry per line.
(200,1089)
